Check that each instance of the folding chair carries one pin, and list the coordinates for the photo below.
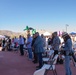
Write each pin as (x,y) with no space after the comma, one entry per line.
(73,58)
(51,66)
(49,47)
(40,71)
(50,55)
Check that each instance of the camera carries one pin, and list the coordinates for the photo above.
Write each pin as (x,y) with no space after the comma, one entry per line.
(62,52)
(70,54)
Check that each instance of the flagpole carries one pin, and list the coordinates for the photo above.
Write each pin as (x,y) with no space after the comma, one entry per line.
(66,27)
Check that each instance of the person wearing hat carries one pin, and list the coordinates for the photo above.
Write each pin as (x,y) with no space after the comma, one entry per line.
(67,48)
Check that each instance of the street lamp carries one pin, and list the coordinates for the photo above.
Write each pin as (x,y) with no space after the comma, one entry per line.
(66,27)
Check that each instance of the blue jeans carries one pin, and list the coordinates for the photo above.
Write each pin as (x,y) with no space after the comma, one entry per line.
(67,65)
(40,59)
(30,53)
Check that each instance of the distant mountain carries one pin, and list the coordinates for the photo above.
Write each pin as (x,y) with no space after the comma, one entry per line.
(9,33)
(13,34)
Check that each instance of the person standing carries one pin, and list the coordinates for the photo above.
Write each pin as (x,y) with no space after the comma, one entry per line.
(4,41)
(28,45)
(15,41)
(38,47)
(56,43)
(35,55)
(21,44)
(44,40)
(0,42)
(67,48)
(9,44)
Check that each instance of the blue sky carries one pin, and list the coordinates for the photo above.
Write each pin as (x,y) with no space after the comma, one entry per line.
(52,15)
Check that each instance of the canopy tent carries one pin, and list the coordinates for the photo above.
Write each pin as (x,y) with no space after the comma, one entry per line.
(46,34)
(73,33)
(1,36)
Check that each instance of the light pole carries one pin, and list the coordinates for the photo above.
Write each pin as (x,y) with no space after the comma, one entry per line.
(66,27)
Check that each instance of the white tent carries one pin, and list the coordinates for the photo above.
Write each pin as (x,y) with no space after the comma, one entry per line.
(46,34)
(1,36)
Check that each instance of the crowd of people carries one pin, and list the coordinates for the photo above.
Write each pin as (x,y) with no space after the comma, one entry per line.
(36,46)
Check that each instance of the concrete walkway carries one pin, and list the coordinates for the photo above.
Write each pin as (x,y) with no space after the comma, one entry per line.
(11,63)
